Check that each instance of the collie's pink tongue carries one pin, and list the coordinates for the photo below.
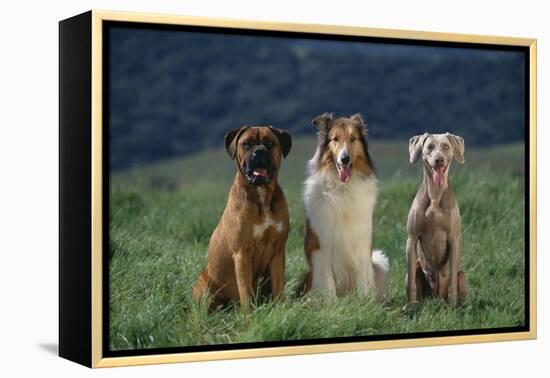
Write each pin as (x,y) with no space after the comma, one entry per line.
(438,176)
(260,172)
(344,173)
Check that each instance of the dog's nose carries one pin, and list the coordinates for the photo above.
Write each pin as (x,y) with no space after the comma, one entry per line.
(259,151)
(439,160)
(345,159)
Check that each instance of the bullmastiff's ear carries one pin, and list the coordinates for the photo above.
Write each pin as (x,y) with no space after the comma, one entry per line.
(284,139)
(231,139)
(358,122)
(457,142)
(415,147)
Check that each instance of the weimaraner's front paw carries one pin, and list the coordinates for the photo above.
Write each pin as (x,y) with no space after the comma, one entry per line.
(430,211)
(411,309)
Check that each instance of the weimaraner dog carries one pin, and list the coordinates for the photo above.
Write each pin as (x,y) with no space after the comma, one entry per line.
(433,225)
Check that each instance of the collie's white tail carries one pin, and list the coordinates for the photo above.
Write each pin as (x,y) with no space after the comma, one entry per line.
(381,268)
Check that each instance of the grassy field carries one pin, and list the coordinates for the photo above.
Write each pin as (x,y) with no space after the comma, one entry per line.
(162,216)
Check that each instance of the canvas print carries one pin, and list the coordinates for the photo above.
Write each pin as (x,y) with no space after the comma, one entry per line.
(269,188)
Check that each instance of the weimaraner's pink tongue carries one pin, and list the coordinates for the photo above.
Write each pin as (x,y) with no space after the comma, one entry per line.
(344,173)
(438,176)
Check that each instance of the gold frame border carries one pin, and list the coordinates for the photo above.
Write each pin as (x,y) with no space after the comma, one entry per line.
(97,19)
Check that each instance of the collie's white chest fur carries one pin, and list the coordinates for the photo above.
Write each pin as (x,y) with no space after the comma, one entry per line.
(341,214)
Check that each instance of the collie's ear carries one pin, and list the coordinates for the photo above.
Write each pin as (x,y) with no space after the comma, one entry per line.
(323,121)
(415,147)
(457,142)
(284,139)
(232,138)
(357,121)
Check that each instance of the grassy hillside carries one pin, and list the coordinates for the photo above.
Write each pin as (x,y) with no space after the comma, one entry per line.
(176,93)
(162,216)
(390,158)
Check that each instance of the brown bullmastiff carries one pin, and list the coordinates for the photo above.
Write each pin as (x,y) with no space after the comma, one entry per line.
(246,254)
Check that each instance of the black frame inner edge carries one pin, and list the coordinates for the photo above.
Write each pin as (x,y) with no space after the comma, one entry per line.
(106,352)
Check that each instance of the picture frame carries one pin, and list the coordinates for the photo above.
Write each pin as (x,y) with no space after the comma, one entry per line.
(84,148)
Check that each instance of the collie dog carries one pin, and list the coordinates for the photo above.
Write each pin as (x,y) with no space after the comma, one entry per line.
(340,195)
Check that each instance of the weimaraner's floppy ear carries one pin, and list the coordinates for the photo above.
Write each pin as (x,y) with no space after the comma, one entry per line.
(231,139)
(284,139)
(358,122)
(415,147)
(457,142)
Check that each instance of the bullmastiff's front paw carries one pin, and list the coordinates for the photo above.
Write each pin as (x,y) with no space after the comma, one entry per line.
(411,309)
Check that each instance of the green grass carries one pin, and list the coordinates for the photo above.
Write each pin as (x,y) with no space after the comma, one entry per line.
(162,217)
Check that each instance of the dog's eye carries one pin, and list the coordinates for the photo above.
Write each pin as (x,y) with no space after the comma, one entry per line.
(335,139)
(430,147)
(353,139)
(247,144)
(445,147)
(268,144)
